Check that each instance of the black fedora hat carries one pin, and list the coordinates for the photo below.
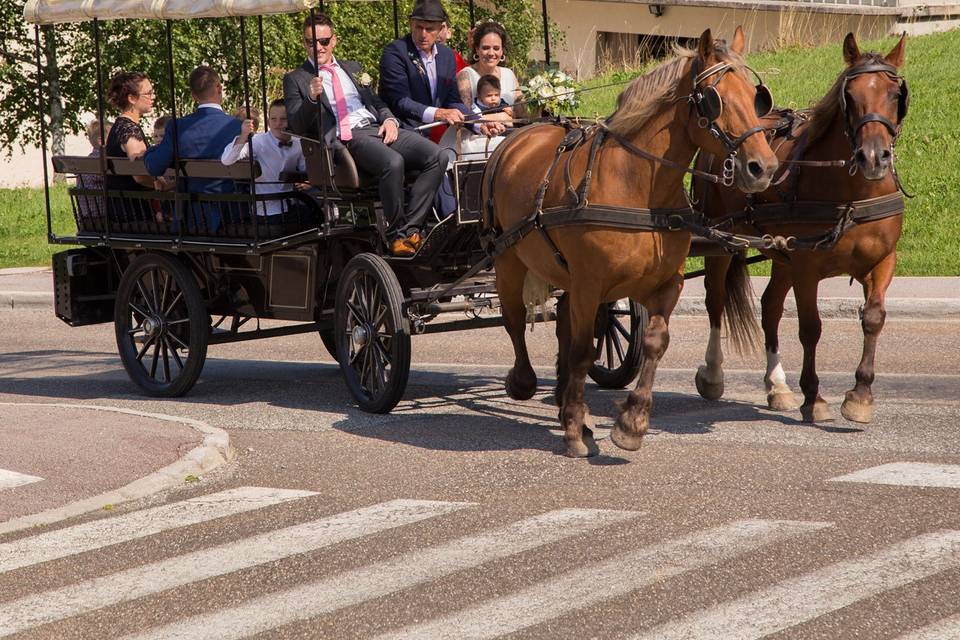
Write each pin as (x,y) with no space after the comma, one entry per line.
(429,10)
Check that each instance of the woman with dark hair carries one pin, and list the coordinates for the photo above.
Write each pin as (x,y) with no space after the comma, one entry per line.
(132,95)
(490,45)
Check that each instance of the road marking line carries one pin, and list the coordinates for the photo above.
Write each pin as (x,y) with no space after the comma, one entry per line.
(946,629)
(97,534)
(97,593)
(804,598)
(377,580)
(10,479)
(615,577)
(908,474)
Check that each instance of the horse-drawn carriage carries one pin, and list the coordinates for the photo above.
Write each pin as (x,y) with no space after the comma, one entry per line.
(594,213)
(174,279)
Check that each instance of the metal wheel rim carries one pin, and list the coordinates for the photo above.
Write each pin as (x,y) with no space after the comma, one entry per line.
(612,345)
(369,335)
(158,325)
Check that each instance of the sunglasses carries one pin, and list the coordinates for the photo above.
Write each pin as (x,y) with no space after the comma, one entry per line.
(323,42)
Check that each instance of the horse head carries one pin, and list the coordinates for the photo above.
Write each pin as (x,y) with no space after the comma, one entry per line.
(873,103)
(727,107)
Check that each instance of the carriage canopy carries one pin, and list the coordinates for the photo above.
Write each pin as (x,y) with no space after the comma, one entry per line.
(58,11)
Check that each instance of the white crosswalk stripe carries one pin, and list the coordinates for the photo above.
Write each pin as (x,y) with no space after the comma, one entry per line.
(97,534)
(25,613)
(946,629)
(11,479)
(410,569)
(909,474)
(807,597)
(618,576)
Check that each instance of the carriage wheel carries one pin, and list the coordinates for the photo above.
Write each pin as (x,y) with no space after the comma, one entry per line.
(327,337)
(162,325)
(371,333)
(619,333)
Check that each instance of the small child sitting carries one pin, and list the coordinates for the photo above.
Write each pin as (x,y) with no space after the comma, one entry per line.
(488,96)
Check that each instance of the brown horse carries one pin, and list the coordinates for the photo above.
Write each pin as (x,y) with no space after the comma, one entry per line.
(859,118)
(598,262)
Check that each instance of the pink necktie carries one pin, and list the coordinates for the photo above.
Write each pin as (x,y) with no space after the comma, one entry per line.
(343,116)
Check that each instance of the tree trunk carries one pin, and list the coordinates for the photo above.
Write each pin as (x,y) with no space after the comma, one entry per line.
(55,100)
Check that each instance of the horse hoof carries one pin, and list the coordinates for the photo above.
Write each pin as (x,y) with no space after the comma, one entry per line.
(520,389)
(817,412)
(856,411)
(783,401)
(624,439)
(708,390)
(584,448)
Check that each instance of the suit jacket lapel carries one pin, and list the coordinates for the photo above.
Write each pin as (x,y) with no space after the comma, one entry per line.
(311,72)
(413,54)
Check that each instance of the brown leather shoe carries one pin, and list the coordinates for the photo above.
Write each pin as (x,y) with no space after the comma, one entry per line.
(415,240)
(402,247)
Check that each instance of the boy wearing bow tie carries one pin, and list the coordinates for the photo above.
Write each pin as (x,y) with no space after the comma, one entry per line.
(274,150)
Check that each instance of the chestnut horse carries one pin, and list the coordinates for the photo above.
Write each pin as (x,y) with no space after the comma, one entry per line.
(648,143)
(860,119)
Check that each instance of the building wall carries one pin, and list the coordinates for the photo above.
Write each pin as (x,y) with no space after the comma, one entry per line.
(581,20)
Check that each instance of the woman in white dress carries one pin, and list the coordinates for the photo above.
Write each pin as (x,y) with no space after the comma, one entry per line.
(490,45)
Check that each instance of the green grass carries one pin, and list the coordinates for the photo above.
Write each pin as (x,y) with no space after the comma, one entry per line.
(23,225)
(928,149)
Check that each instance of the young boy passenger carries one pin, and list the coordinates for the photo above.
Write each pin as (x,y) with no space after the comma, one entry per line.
(275,151)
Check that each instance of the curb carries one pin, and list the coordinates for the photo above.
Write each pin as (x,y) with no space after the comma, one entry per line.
(26,300)
(849,308)
(920,308)
(213,452)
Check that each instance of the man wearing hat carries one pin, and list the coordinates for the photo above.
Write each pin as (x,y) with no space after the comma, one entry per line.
(418,75)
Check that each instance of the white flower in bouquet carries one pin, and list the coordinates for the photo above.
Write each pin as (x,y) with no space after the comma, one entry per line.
(552,91)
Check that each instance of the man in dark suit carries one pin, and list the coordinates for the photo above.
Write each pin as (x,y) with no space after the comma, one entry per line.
(418,74)
(202,135)
(353,116)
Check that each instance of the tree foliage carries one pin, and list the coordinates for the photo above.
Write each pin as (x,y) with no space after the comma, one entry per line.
(70,77)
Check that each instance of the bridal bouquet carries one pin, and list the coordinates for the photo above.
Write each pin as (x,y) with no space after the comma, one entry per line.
(552,91)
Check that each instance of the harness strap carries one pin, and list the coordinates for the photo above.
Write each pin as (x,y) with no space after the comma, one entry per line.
(826,212)
(634,149)
(623,218)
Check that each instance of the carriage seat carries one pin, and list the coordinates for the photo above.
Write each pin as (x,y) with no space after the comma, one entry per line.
(347,176)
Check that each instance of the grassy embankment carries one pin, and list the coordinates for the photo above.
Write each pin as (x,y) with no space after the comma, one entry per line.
(928,149)
(929,152)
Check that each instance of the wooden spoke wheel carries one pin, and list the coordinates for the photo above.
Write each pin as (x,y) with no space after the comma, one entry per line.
(329,342)
(619,336)
(162,325)
(372,334)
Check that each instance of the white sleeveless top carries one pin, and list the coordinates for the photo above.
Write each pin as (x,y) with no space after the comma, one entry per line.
(508,84)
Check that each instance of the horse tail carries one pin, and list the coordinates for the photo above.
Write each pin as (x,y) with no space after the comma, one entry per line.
(739,313)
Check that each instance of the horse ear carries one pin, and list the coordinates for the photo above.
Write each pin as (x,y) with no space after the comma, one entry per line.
(705,46)
(897,54)
(851,51)
(739,41)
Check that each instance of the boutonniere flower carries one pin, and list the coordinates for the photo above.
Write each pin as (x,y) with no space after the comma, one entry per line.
(418,63)
(365,79)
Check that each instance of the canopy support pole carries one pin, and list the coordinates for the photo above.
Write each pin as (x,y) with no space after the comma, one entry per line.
(43,132)
(546,34)
(246,102)
(263,70)
(101,116)
(472,19)
(177,208)
(396,21)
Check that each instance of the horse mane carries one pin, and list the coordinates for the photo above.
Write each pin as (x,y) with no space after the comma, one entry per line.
(644,96)
(825,112)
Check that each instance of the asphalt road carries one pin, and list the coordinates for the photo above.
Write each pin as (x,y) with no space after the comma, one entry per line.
(455,516)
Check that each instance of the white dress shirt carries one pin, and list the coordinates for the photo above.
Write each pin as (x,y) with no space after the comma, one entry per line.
(430,66)
(357,113)
(273,160)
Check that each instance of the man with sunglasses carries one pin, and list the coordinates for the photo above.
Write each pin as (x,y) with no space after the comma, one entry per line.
(355,117)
